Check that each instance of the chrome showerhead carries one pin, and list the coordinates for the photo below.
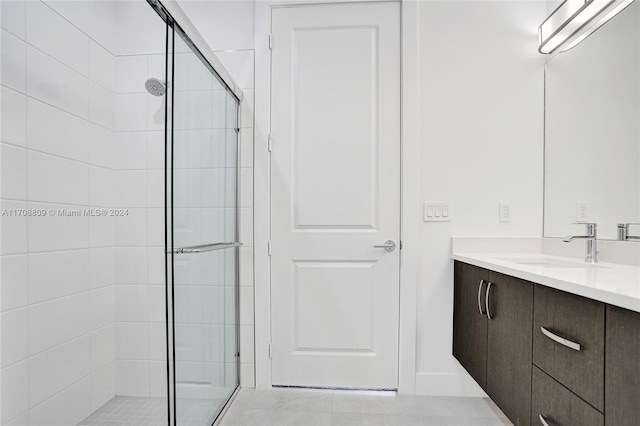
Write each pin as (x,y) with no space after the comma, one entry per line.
(155,87)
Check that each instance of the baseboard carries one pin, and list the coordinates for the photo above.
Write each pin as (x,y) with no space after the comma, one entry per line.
(447,385)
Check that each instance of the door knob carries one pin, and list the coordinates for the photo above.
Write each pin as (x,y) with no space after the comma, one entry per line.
(388,245)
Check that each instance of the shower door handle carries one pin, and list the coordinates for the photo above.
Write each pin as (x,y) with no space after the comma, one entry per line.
(204,248)
(388,245)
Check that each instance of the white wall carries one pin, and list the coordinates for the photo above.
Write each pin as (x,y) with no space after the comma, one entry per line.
(481,121)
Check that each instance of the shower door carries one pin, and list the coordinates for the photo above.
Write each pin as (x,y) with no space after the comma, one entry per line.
(202,238)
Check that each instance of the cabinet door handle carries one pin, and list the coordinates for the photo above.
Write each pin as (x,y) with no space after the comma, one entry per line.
(480,297)
(487,305)
(543,420)
(568,343)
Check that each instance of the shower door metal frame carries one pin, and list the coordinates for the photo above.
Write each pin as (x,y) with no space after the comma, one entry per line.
(209,59)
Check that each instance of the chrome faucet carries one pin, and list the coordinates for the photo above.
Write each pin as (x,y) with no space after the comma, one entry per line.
(591,249)
(623,232)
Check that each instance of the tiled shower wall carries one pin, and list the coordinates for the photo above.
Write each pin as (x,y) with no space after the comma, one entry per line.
(58,293)
(139,236)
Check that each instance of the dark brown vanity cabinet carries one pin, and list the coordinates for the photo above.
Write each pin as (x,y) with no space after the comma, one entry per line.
(622,368)
(493,315)
(546,356)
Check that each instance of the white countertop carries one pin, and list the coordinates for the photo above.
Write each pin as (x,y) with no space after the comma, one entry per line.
(611,283)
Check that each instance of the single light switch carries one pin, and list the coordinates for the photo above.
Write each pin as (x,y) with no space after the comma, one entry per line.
(437,211)
(445,211)
(429,211)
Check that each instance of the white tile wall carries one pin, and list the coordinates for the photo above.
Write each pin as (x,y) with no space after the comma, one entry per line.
(102,266)
(14,116)
(13,18)
(103,347)
(13,171)
(57,132)
(54,83)
(13,276)
(102,66)
(57,321)
(15,332)
(69,45)
(103,385)
(13,62)
(103,307)
(58,274)
(15,390)
(101,146)
(67,407)
(132,303)
(131,150)
(132,341)
(58,118)
(13,239)
(57,180)
(51,233)
(132,378)
(54,370)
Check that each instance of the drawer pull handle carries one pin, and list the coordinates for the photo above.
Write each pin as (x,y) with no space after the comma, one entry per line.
(543,420)
(480,297)
(568,343)
(486,301)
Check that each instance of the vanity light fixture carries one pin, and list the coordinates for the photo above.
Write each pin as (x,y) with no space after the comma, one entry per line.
(574,20)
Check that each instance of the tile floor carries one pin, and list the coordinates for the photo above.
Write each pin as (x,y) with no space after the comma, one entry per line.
(302,407)
(128,410)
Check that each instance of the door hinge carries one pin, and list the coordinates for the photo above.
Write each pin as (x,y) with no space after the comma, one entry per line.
(270,41)
(270,354)
(269,143)
(269,247)
(400,244)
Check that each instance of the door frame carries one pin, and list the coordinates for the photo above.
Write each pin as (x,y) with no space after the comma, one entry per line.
(409,197)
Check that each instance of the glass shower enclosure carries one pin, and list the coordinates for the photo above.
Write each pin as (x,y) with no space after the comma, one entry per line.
(202,237)
(201,220)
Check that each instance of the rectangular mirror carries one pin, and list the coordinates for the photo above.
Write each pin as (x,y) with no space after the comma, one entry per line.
(592,144)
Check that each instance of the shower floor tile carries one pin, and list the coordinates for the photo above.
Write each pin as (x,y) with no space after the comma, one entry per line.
(129,410)
(138,411)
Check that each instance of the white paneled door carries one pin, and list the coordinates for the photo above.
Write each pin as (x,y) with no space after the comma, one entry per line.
(335,188)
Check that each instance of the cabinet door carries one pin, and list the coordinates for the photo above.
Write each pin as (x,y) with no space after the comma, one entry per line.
(558,405)
(579,320)
(622,368)
(469,325)
(509,346)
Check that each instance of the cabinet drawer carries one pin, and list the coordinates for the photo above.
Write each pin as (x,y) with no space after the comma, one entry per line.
(558,405)
(569,318)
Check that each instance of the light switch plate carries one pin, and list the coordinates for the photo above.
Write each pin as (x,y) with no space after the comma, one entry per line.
(436,211)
